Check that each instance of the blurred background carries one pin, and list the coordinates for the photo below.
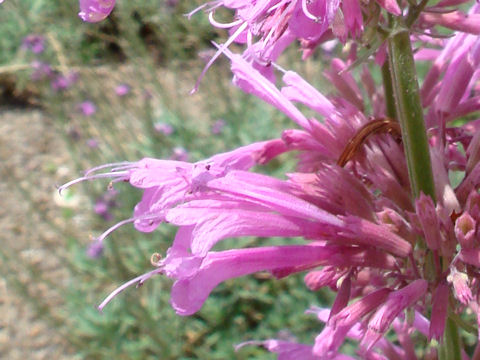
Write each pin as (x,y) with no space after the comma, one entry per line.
(75,95)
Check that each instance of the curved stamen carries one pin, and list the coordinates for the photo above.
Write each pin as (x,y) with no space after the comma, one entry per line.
(307,12)
(113,166)
(222,25)
(126,221)
(139,279)
(280,21)
(113,228)
(91,177)
(278,67)
(194,11)
(220,50)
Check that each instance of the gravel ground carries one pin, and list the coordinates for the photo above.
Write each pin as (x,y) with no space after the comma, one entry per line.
(32,234)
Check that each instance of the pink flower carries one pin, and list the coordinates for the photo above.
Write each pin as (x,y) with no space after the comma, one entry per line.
(275,21)
(41,70)
(92,143)
(396,302)
(163,128)
(63,82)
(196,277)
(35,43)
(465,230)
(179,153)
(461,286)
(95,10)
(95,249)
(348,203)
(429,221)
(122,89)
(218,126)
(439,312)
(286,350)
(88,108)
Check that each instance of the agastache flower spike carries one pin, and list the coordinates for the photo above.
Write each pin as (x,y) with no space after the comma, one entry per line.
(350,199)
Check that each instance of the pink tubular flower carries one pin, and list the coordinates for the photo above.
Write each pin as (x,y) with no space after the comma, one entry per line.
(196,277)
(465,230)
(439,312)
(35,43)
(429,221)
(286,350)
(95,10)
(396,302)
(163,128)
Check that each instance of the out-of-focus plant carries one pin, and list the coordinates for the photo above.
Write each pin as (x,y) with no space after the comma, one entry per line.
(110,95)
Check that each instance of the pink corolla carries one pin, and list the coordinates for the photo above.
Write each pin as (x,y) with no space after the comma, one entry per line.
(87,108)
(274,22)
(35,43)
(287,350)
(122,89)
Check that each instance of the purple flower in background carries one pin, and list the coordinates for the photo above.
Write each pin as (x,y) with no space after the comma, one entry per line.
(163,128)
(218,126)
(95,10)
(35,43)
(101,208)
(63,82)
(87,108)
(172,3)
(122,89)
(105,203)
(41,70)
(179,153)
(95,249)
(92,143)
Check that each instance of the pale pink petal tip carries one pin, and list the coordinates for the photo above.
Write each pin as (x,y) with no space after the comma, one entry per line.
(95,10)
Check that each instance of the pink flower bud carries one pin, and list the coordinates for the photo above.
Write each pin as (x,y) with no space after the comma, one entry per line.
(429,221)
(439,312)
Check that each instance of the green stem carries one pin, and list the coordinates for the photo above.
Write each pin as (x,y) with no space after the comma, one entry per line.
(409,113)
(388,91)
(450,349)
(415,12)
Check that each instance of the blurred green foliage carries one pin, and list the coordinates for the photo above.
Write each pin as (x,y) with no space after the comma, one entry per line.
(153,48)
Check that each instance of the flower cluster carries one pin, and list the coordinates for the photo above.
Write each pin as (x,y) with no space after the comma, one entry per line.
(395,261)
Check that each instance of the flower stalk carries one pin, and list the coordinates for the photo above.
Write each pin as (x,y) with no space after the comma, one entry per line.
(388,91)
(450,349)
(409,112)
